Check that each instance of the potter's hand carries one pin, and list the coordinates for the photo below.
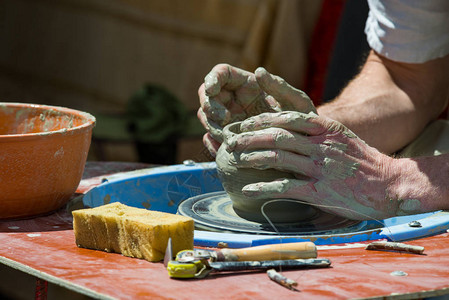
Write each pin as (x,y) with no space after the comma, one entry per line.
(230,94)
(344,175)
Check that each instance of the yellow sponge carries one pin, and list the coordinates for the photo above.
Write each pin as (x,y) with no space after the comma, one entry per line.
(131,231)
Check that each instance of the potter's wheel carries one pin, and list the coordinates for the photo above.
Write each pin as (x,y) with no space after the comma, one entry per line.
(163,188)
(214,212)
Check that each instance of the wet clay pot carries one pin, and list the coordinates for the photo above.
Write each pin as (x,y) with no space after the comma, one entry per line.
(43,150)
(234,179)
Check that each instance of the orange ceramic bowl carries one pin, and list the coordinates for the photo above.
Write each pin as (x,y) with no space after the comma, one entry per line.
(43,150)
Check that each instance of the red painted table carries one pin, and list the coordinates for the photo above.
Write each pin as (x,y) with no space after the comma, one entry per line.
(45,247)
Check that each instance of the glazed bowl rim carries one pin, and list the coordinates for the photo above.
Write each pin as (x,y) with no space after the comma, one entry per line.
(89,120)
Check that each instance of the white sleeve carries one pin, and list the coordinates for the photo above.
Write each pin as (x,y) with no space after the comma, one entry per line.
(412,31)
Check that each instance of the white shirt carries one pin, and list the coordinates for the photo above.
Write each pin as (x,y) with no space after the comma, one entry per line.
(411,31)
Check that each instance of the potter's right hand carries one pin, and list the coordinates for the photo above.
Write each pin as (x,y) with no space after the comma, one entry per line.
(230,94)
(343,175)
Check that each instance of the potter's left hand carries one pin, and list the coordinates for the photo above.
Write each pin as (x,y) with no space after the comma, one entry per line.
(230,94)
(335,169)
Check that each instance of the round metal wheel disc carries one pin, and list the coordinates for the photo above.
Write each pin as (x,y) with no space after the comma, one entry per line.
(214,212)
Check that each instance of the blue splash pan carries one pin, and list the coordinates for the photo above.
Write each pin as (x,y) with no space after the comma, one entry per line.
(164,188)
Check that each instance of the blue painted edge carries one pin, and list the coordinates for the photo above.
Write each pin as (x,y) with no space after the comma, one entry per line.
(160,188)
(432,224)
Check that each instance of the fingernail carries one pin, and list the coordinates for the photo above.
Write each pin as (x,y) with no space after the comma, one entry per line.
(211,85)
(260,70)
(233,159)
(247,125)
(230,144)
(251,190)
(263,75)
(244,157)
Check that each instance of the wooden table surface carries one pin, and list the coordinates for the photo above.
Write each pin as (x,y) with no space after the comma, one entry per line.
(45,247)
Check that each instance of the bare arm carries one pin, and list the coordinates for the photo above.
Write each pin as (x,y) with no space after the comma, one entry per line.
(421,184)
(389,103)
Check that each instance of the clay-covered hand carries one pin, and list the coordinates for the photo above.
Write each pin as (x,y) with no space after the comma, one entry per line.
(334,169)
(230,94)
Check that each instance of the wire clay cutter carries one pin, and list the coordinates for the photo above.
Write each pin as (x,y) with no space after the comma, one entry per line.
(199,263)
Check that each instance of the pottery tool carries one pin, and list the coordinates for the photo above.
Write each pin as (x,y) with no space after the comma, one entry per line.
(282,280)
(266,252)
(200,268)
(393,246)
(198,263)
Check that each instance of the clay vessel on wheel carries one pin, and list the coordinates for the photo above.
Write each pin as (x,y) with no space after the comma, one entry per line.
(234,179)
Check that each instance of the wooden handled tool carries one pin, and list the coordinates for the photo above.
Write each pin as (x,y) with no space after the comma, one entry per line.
(268,252)
(198,263)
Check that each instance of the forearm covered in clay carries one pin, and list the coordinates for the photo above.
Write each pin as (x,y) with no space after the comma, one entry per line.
(389,103)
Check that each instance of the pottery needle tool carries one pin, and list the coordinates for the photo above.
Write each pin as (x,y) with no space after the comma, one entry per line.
(282,280)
